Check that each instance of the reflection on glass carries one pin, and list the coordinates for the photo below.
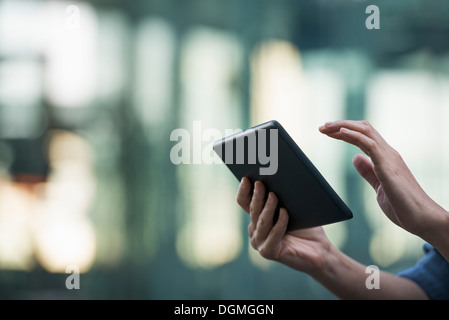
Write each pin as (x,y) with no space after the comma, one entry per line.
(71,56)
(16,241)
(21,112)
(155,49)
(400,103)
(210,233)
(64,234)
(285,90)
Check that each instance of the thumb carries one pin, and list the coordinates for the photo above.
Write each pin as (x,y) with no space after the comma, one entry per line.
(365,168)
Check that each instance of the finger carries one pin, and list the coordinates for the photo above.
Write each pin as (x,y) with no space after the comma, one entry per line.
(358,133)
(360,126)
(265,220)
(273,244)
(365,168)
(334,131)
(256,206)
(337,135)
(244,194)
(366,144)
(278,231)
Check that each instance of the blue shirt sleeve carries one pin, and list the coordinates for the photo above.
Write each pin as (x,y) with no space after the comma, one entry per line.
(431,273)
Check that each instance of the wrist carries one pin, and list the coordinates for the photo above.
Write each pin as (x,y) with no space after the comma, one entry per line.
(332,260)
(436,232)
(434,223)
(341,275)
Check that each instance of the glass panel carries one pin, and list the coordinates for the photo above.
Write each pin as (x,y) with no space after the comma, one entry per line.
(283,89)
(401,104)
(210,63)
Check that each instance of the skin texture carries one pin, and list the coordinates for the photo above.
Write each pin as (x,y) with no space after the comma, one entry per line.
(309,250)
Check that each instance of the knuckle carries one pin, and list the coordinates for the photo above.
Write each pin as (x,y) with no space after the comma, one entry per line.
(252,207)
(250,229)
(368,127)
(239,200)
(263,252)
(371,144)
(271,202)
(242,202)
(266,253)
(254,242)
(396,154)
(365,123)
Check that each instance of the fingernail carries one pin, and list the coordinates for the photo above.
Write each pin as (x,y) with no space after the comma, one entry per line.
(256,188)
(282,210)
(344,130)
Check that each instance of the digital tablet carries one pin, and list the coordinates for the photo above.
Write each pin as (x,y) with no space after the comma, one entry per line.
(267,153)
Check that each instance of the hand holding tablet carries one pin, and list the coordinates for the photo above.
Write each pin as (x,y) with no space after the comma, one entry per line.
(268,154)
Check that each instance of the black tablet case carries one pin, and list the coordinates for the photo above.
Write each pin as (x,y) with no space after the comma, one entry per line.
(299,186)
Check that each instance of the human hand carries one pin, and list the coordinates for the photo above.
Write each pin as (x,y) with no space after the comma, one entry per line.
(304,250)
(399,195)
(310,251)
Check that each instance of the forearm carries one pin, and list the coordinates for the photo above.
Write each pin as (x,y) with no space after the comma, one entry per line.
(346,278)
(435,230)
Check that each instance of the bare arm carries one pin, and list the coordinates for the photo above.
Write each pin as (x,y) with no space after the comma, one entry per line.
(398,193)
(346,278)
(310,251)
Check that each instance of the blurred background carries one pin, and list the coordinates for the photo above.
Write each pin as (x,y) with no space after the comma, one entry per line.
(90,92)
